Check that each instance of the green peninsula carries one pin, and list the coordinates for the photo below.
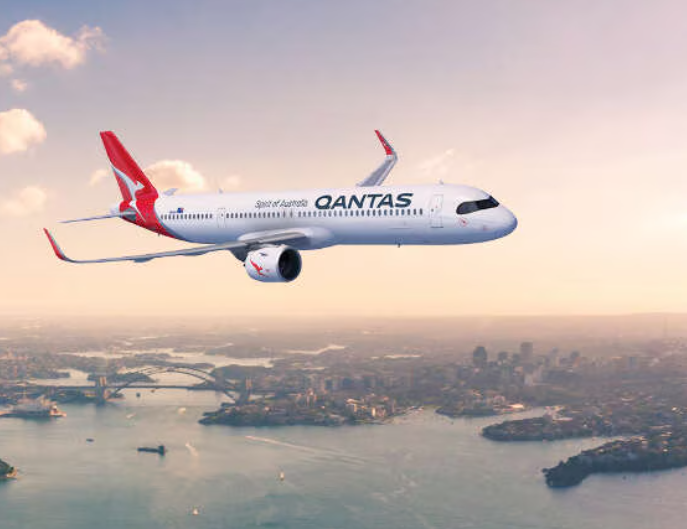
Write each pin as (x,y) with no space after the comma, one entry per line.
(657,451)
(7,471)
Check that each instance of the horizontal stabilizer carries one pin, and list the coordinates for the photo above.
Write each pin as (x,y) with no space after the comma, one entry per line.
(121,215)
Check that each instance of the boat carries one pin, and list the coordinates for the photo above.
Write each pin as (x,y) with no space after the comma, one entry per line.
(195,511)
(160,450)
(282,476)
(40,408)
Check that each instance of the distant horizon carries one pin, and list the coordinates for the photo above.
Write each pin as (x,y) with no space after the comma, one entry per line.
(370,318)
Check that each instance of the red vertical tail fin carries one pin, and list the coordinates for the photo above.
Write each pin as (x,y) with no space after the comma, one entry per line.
(132,181)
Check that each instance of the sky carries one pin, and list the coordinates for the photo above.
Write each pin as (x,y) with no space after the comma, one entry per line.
(572,114)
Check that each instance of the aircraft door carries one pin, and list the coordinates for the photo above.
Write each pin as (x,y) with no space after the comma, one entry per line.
(221,217)
(435,220)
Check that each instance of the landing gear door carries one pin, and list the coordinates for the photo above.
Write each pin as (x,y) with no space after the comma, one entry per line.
(435,220)
(221,218)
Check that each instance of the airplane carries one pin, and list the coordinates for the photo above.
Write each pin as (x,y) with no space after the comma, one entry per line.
(268,230)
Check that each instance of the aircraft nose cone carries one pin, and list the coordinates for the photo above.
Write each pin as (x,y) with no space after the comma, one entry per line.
(508,223)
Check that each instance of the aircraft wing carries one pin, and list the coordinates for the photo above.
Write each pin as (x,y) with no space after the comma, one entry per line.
(378,176)
(247,244)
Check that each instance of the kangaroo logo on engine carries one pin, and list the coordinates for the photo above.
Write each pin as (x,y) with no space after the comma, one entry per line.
(371,200)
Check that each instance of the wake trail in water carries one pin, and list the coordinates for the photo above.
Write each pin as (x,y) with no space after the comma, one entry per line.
(192,449)
(320,452)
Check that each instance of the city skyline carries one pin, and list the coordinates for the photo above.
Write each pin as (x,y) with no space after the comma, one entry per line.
(573,116)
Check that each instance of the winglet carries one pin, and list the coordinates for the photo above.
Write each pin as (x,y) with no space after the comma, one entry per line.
(378,176)
(55,247)
(388,149)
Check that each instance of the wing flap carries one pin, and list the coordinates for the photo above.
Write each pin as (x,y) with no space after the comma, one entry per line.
(277,238)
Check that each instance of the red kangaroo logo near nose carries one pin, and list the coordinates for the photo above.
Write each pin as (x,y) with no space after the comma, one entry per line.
(257,267)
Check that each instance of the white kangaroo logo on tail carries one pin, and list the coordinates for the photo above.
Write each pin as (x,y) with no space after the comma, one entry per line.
(131,186)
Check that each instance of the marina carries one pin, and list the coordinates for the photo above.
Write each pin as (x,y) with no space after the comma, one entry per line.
(39,408)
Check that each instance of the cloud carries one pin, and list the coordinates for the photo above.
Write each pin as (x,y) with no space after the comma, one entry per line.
(19,85)
(24,202)
(230,182)
(5,68)
(437,166)
(97,176)
(166,174)
(447,164)
(19,130)
(32,43)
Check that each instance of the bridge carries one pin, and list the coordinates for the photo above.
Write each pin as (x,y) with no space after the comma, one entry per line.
(106,389)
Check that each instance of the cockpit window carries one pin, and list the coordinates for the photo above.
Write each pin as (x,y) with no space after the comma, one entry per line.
(476,205)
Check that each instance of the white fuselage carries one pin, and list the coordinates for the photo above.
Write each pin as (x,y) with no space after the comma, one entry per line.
(398,215)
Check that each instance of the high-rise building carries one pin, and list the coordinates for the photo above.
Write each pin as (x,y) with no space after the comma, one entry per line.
(526,351)
(480,356)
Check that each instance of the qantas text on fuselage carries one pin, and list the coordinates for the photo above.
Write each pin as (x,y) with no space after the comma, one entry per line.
(268,231)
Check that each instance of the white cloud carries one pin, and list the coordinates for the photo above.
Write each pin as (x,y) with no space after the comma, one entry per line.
(230,182)
(19,130)
(449,164)
(19,85)
(97,176)
(437,166)
(5,68)
(166,174)
(32,43)
(24,202)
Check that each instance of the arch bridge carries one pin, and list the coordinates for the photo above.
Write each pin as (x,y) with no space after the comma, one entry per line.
(218,383)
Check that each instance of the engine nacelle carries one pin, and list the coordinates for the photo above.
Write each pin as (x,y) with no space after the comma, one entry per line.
(273,264)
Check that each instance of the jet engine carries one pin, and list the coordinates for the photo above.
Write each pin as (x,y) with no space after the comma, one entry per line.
(273,264)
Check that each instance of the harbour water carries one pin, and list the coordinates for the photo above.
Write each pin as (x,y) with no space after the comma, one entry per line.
(421,471)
